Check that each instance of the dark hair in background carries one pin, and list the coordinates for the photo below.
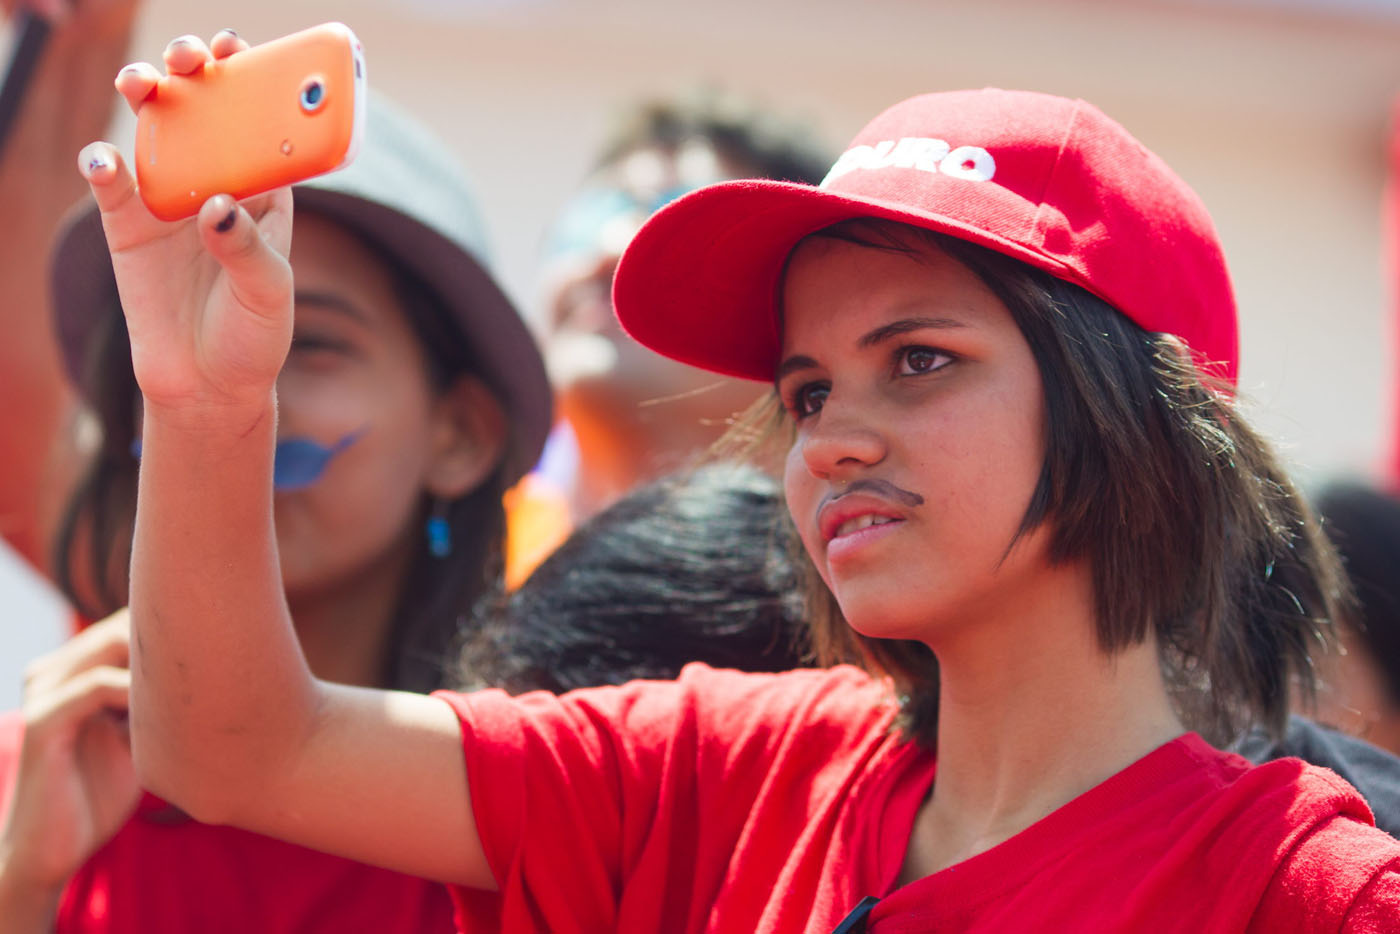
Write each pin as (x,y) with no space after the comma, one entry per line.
(93,547)
(1364,523)
(1191,528)
(771,146)
(694,567)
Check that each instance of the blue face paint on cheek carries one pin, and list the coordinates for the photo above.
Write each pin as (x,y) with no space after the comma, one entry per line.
(298,463)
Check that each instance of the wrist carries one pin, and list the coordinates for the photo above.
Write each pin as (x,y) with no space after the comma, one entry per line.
(215,422)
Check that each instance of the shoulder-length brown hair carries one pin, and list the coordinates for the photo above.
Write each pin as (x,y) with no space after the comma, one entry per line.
(1192,529)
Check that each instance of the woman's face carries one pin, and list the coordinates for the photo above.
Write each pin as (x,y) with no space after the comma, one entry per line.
(356,370)
(919,416)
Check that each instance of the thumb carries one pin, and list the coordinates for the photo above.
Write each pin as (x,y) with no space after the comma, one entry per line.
(259,274)
(62,709)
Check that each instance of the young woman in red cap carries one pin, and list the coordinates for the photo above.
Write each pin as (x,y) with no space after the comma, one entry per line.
(1003,336)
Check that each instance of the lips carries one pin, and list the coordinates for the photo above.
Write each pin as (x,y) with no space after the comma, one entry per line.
(852,513)
(861,522)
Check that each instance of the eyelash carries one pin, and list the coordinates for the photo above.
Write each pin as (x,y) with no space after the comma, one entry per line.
(315,342)
(797,410)
(903,353)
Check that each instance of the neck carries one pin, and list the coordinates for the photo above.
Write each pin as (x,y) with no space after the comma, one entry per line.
(1033,714)
(345,630)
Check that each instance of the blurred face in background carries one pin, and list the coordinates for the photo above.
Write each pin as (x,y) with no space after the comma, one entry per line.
(607,383)
(357,380)
(1352,695)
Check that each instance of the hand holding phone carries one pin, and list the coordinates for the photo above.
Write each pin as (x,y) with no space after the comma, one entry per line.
(207,301)
(251,121)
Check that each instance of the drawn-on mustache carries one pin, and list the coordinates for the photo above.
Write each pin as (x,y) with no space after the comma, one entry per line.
(881,488)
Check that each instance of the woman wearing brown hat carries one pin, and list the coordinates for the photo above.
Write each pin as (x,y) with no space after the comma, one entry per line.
(411,397)
(1003,337)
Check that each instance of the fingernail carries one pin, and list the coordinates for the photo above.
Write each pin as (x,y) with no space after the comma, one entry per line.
(229,31)
(98,160)
(226,222)
(127,69)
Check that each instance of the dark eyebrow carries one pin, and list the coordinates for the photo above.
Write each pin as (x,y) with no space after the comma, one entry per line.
(903,326)
(882,333)
(332,302)
(792,365)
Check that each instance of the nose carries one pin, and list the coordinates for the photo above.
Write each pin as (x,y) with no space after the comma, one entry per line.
(841,443)
(582,299)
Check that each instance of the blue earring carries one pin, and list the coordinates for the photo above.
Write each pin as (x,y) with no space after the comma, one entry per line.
(439,532)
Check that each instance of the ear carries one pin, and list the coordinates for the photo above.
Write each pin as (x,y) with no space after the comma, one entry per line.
(469,438)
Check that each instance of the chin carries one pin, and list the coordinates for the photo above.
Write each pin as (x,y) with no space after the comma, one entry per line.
(885,614)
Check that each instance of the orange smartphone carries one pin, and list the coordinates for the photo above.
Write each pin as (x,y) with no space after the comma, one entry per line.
(268,116)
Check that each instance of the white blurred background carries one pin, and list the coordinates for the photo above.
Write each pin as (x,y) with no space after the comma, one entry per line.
(1276,111)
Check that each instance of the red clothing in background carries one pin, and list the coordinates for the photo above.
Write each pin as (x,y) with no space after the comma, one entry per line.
(164,872)
(730,802)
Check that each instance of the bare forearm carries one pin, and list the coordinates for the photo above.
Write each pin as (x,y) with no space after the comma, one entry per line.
(227,720)
(222,694)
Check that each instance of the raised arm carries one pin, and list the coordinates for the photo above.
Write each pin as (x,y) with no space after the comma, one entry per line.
(69,101)
(227,720)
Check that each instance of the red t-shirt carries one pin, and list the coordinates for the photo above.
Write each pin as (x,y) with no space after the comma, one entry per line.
(164,872)
(736,802)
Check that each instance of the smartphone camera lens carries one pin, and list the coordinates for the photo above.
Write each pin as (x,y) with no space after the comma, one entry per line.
(313,95)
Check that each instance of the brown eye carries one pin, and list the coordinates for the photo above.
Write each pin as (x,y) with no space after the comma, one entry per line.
(915,360)
(809,399)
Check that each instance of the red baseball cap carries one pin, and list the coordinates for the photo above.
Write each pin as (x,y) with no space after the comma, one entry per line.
(1048,181)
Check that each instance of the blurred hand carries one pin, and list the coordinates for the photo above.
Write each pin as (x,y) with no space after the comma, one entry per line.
(78,17)
(75,785)
(52,10)
(208,300)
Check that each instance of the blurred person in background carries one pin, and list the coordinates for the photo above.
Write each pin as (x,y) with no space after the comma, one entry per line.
(627,415)
(696,566)
(69,99)
(1362,694)
(412,396)
(1353,727)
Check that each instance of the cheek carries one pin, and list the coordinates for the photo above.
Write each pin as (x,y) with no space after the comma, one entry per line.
(363,395)
(391,464)
(801,491)
(382,470)
(986,461)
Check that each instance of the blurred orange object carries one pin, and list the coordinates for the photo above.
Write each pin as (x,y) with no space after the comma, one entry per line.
(537,522)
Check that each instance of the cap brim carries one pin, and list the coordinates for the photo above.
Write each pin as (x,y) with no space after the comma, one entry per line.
(84,288)
(700,281)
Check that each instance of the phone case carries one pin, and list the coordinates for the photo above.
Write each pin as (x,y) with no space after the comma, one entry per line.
(269,116)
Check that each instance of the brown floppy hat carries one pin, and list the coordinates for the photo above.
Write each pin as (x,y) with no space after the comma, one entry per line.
(404,195)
